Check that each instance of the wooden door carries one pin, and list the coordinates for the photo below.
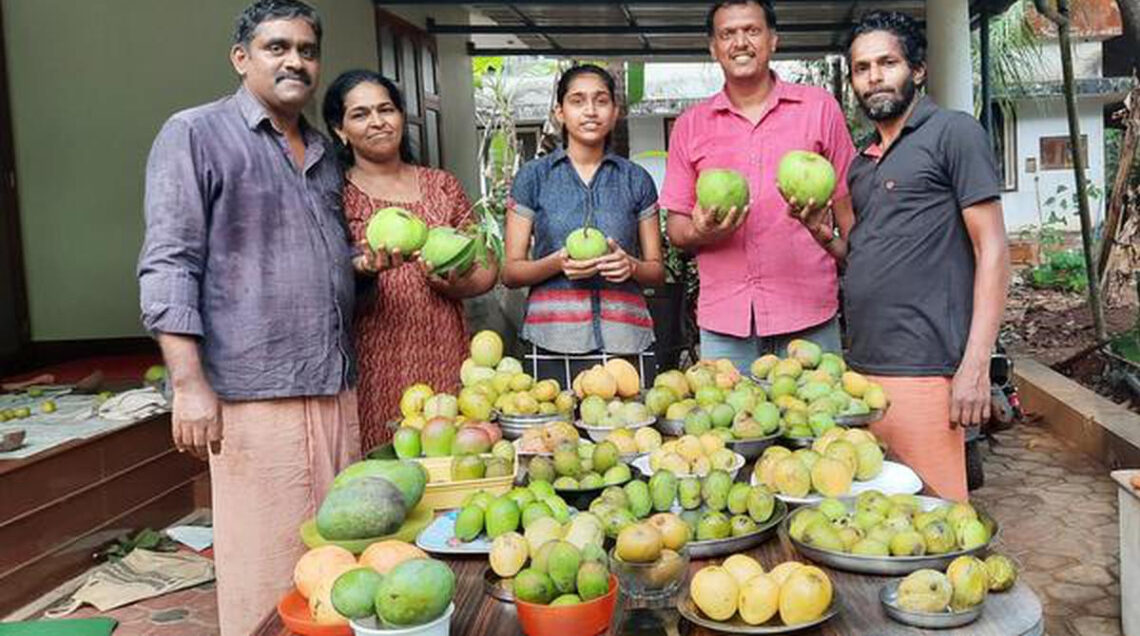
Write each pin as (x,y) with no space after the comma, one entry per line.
(408,56)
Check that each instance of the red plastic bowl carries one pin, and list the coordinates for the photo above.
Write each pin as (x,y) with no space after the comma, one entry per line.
(294,612)
(584,619)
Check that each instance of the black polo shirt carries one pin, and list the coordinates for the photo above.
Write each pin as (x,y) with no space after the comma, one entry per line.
(909,284)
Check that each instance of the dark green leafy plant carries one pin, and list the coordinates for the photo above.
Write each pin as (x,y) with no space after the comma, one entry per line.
(1063,270)
(147,539)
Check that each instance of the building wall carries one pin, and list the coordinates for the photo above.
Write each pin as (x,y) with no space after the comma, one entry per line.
(1046,118)
(90,83)
(647,135)
(1088,56)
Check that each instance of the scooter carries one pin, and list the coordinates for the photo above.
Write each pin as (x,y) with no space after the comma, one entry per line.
(1005,412)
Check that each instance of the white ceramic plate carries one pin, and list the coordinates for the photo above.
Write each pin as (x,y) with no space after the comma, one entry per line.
(895,479)
(642,464)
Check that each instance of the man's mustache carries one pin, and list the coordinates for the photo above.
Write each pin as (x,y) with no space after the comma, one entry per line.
(300,77)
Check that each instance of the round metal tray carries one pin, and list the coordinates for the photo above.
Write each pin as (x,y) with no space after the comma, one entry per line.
(600,433)
(513,426)
(580,498)
(676,428)
(760,381)
(797,442)
(732,545)
(889,594)
(884,566)
(754,447)
(860,421)
(522,453)
(736,625)
(497,587)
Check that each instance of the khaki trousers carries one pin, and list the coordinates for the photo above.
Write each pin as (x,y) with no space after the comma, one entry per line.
(277,461)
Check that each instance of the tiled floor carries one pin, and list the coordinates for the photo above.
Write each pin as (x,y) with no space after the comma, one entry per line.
(1057,511)
(190,612)
(1056,508)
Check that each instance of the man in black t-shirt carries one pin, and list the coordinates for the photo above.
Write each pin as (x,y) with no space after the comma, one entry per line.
(928,263)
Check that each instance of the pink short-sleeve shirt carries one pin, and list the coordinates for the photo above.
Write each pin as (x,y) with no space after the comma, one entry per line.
(770,277)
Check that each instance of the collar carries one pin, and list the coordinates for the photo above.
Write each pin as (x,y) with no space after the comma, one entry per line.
(924,109)
(781,92)
(254,112)
(559,154)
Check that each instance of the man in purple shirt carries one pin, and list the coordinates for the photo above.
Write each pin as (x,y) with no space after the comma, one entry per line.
(246,282)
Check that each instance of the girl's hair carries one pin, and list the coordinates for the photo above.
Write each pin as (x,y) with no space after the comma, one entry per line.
(573,73)
(333,110)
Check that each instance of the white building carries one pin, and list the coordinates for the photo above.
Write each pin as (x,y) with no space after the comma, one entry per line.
(1033,135)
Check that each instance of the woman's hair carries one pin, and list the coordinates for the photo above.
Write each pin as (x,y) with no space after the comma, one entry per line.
(573,73)
(333,110)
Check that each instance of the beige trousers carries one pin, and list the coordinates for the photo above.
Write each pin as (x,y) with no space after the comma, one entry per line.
(917,431)
(277,461)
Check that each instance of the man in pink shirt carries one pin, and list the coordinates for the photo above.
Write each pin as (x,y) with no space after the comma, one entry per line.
(765,277)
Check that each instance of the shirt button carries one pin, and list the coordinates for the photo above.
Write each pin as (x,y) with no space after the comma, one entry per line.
(889,184)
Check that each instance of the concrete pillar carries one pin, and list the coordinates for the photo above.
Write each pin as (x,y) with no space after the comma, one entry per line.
(950,76)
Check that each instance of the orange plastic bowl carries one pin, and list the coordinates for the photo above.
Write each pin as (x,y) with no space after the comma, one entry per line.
(584,619)
(294,612)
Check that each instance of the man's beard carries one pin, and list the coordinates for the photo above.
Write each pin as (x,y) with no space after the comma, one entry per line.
(892,107)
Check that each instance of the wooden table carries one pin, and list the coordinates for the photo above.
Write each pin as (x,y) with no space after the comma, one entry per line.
(1013,613)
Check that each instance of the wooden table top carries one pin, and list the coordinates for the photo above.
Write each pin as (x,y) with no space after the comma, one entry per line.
(1013,613)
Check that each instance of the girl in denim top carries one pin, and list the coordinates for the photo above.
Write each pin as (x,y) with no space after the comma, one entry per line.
(581,312)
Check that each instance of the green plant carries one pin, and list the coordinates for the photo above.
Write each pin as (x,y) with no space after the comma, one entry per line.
(147,539)
(1063,270)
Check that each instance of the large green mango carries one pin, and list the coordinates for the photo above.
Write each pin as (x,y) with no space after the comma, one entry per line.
(409,476)
(363,508)
(415,592)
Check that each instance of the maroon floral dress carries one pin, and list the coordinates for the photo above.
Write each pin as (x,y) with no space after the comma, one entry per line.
(406,332)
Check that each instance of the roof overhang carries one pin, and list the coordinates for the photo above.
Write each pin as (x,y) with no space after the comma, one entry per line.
(660,28)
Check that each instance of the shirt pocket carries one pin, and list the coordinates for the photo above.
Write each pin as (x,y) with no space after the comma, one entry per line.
(909,206)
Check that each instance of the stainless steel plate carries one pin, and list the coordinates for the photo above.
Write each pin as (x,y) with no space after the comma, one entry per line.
(889,596)
(732,545)
(752,448)
(859,421)
(883,566)
(676,428)
(736,625)
(497,587)
(599,433)
(513,426)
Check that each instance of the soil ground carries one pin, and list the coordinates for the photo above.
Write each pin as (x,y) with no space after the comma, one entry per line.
(1056,328)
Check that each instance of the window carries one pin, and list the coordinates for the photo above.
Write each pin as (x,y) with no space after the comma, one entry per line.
(528,137)
(408,57)
(1005,145)
(1056,154)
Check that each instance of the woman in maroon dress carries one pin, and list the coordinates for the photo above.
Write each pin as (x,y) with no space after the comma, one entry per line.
(411,329)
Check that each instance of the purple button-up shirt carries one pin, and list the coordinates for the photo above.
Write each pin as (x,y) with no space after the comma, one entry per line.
(248,253)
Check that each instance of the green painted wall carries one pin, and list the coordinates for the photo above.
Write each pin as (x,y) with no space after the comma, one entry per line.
(90,83)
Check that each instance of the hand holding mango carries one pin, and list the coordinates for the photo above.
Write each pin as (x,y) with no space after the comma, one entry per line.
(807,181)
(577,269)
(722,204)
(369,261)
(617,266)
